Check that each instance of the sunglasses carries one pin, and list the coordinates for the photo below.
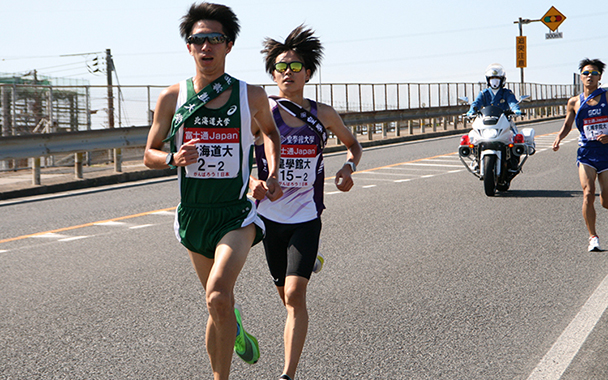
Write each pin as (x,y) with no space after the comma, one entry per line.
(213,38)
(594,72)
(281,67)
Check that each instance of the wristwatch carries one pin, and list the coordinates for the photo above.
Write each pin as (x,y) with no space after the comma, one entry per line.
(352,165)
(168,160)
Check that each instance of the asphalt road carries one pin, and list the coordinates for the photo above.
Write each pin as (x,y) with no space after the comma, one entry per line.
(425,278)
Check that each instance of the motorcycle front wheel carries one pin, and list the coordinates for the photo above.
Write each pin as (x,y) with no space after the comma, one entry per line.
(489,175)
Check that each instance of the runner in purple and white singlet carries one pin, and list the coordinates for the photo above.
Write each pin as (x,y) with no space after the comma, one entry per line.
(293,222)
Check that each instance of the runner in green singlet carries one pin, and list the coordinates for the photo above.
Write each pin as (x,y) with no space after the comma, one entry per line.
(211,121)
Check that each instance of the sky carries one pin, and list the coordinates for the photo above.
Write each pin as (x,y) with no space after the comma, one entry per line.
(380,41)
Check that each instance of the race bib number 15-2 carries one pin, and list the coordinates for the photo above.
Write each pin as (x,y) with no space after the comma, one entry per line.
(297,166)
(218,152)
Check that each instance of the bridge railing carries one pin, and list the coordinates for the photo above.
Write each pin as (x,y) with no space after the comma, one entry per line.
(56,124)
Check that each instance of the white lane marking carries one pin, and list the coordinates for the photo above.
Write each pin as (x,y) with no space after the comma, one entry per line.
(403,180)
(73,238)
(423,164)
(420,169)
(382,179)
(110,223)
(50,235)
(559,357)
(443,159)
(140,226)
(383,173)
(368,186)
(333,192)
(3,250)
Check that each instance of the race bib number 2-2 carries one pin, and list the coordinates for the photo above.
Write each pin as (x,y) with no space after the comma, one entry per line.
(218,152)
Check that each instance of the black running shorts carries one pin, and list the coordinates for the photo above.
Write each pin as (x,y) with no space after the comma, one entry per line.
(291,249)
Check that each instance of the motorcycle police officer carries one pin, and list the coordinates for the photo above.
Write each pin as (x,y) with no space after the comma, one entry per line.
(496,94)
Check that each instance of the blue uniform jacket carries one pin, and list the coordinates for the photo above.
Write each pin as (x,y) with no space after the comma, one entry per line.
(504,99)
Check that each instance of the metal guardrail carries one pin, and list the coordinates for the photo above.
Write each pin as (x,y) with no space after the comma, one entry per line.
(370,122)
(17,147)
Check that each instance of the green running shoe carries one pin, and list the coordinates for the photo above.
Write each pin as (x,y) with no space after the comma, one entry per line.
(245,345)
(318,263)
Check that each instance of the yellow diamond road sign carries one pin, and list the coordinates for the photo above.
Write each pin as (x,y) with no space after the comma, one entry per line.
(553,18)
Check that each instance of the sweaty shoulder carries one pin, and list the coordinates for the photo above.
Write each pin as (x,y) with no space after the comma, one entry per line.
(574,103)
(328,115)
(256,94)
(169,95)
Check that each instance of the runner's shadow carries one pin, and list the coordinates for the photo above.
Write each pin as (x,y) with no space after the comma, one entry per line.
(541,194)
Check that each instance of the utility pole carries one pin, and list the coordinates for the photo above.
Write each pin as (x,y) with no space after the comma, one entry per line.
(109,69)
(117,153)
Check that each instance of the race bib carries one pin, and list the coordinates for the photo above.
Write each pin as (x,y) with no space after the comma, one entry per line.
(218,152)
(595,126)
(297,165)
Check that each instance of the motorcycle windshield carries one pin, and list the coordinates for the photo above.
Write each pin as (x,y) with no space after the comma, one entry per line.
(491,114)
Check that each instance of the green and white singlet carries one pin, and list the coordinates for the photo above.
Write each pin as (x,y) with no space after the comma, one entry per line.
(214,189)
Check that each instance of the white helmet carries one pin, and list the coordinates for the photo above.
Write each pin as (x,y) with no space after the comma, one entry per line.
(495,70)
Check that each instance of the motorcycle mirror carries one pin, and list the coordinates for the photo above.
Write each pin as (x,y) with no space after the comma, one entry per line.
(463,100)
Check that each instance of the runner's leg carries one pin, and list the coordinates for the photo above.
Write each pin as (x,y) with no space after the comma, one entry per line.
(296,325)
(587,176)
(218,280)
(603,180)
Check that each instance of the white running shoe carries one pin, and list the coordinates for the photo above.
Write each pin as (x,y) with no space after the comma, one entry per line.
(318,263)
(594,244)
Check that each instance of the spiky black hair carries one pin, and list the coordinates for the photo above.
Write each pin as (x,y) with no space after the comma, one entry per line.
(593,62)
(302,42)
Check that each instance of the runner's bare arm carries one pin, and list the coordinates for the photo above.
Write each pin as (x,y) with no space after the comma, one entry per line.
(263,123)
(154,156)
(333,122)
(568,122)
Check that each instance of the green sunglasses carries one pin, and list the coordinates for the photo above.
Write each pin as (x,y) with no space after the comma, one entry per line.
(295,66)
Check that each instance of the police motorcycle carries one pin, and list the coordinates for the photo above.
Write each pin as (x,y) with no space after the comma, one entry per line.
(493,151)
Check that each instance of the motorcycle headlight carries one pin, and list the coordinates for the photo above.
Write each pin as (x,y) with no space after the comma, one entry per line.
(489,133)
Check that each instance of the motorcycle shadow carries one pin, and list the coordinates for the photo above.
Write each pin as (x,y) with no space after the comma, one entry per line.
(540,194)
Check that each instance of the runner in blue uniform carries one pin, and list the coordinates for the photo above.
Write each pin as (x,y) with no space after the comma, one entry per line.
(211,122)
(294,222)
(590,112)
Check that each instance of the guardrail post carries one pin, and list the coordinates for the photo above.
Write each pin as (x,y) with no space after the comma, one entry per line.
(410,127)
(78,165)
(118,160)
(35,170)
